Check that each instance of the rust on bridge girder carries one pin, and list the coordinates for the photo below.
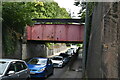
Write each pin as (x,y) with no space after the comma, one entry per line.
(56,32)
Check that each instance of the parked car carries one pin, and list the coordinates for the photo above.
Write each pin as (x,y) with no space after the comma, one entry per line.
(15,69)
(65,57)
(57,61)
(69,52)
(40,67)
(74,50)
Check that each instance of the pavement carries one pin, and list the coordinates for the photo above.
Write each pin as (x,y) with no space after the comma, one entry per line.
(76,71)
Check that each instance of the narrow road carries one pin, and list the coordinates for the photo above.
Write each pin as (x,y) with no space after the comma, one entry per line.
(59,72)
(64,73)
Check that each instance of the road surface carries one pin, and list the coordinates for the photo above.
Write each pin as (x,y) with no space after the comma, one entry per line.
(65,73)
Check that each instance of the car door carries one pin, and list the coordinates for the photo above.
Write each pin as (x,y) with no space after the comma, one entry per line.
(22,70)
(15,75)
(49,66)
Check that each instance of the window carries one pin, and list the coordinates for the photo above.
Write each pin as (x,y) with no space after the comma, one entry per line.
(38,61)
(23,65)
(11,68)
(49,62)
(57,58)
(20,66)
(16,66)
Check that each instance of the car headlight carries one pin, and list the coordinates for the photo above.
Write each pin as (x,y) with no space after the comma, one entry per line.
(61,63)
(41,70)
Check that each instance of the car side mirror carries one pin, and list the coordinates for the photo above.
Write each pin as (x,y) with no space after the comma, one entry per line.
(11,72)
(48,64)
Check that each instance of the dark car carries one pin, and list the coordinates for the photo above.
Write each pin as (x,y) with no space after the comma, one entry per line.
(74,50)
(69,52)
(65,56)
(40,67)
(15,69)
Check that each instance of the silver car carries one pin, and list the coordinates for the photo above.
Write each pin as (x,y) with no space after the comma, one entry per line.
(58,61)
(13,69)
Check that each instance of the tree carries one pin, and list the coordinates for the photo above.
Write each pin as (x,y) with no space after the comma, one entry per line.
(82,12)
(16,15)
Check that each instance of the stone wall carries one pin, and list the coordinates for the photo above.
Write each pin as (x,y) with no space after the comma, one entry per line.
(17,54)
(51,52)
(30,50)
(103,52)
(38,49)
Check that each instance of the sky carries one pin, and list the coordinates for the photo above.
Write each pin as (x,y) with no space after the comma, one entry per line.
(69,5)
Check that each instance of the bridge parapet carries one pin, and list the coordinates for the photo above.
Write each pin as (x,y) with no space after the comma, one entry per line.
(56,32)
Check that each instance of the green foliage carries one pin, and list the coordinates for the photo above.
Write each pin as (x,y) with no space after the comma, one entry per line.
(53,45)
(16,15)
(54,11)
(49,45)
(80,45)
(77,3)
(9,41)
(0,12)
(68,44)
(91,6)
(45,0)
(82,12)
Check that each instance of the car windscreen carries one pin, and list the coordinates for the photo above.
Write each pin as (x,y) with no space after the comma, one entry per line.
(56,58)
(3,65)
(64,55)
(69,51)
(38,61)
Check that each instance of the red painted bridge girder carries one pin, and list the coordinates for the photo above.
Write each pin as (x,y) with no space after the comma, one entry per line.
(56,32)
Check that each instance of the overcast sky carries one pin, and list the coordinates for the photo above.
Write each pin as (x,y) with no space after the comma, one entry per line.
(69,5)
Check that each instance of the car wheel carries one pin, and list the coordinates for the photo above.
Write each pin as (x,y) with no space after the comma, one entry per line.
(52,72)
(46,76)
(28,78)
(62,66)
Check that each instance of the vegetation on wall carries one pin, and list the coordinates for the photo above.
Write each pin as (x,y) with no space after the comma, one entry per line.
(16,15)
(86,15)
(82,12)
(0,12)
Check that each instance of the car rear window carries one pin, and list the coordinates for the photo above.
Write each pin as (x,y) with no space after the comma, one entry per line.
(57,58)
(38,61)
